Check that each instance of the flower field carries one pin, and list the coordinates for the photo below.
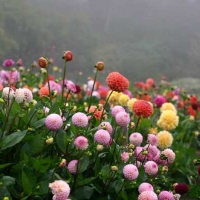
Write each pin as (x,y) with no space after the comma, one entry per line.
(115,140)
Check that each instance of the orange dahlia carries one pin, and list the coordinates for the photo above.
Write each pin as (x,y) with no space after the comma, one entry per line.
(117,82)
(44,91)
(142,108)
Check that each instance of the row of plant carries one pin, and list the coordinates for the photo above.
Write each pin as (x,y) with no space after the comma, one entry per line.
(119,140)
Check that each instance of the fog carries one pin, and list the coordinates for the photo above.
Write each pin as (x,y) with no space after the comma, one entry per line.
(139,38)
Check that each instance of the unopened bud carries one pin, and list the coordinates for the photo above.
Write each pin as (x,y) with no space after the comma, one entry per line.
(114,168)
(99,147)
(63,163)
(49,140)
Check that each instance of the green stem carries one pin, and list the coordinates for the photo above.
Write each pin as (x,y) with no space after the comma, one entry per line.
(137,123)
(49,86)
(105,105)
(63,81)
(120,189)
(95,78)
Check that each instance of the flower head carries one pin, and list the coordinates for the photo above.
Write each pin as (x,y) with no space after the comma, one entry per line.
(44,91)
(168,106)
(181,188)
(117,82)
(170,155)
(164,139)
(54,86)
(151,168)
(106,126)
(60,190)
(7,93)
(148,195)
(42,62)
(159,101)
(116,109)
(145,187)
(152,139)
(102,137)
(8,63)
(97,112)
(136,139)
(125,156)
(81,142)
(114,97)
(166,195)
(80,119)
(72,166)
(19,95)
(123,99)
(9,77)
(130,104)
(28,96)
(53,122)
(122,118)
(68,56)
(99,66)
(130,172)
(168,120)
(20,62)
(142,108)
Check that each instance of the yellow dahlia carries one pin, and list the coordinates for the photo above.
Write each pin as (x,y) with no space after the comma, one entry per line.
(168,106)
(164,139)
(130,104)
(168,120)
(114,97)
(153,131)
(123,99)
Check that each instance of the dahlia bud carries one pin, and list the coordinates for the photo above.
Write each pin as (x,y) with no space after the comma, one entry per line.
(6,198)
(99,147)
(49,140)
(144,152)
(114,168)
(68,56)
(43,62)
(99,66)
(63,163)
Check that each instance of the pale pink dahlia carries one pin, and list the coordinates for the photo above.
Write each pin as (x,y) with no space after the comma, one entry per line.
(148,195)
(81,142)
(136,139)
(122,118)
(28,96)
(170,155)
(53,122)
(72,166)
(152,139)
(102,137)
(166,195)
(54,86)
(19,95)
(151,168)
(125,156)
(60,190)
(116,109)
(130,172)
(145,187)
(106,126)
(80,119)
(7,93)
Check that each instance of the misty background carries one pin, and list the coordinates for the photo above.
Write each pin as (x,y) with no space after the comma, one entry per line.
(138,38)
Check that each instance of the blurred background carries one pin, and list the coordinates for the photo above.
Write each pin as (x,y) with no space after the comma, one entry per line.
(138,38)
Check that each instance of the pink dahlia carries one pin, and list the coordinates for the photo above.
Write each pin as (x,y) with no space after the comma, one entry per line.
(106,126)
(148,195)
(152,139)
(125,156)
(54,86)
(130,172)
(159,100)
(170,155)
(10,77)
(102,137)
(166,195)
(60,190)
(80,119)
(8,93)
(117,82)
(122,118)
(145,187)
(53,122)
(151,168)
(72,166)
(116,109)
(8,63)
(142,108)
(81,142)
(136,139)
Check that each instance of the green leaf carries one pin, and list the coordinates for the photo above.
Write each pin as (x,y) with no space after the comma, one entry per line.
(83,164)
(36,144)
(105,172)
(62,140)
(26,183)
(13,139)
(8,180)
(84,193)
(86,181)
(194,192)
(39,123)
(42,165)
(5,165)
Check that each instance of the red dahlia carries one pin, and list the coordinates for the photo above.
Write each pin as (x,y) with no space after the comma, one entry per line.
(99,66)
(142,108)
(68,55)
(117,82)
(181,188)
